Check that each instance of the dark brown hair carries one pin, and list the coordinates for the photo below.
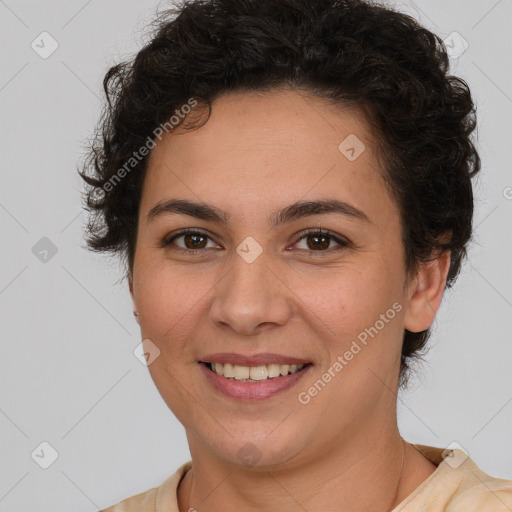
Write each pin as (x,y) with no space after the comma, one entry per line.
(349,51)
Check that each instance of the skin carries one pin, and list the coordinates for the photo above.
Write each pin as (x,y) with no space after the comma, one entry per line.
(258,153)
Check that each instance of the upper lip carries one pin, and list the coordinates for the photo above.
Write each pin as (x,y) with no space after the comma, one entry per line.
(252,360)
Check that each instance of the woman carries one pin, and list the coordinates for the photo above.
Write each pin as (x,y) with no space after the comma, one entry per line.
(289,184)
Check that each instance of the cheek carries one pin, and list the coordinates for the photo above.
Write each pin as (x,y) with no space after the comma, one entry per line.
(352,308)
(169,303)
(168,297)
(344,299)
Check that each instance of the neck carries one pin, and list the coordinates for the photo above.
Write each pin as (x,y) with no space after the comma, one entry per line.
(359,474)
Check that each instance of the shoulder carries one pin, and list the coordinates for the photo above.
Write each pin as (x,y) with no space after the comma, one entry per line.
(480,492)
(163,497)
(459,485)
(143,502)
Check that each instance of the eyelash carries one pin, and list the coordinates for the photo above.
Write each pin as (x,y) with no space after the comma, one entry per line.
(343,243)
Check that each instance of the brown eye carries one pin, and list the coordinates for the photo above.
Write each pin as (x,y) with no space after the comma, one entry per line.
(193,241)
(319,241)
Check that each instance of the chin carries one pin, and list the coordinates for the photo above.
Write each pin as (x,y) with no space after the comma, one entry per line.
(256,452)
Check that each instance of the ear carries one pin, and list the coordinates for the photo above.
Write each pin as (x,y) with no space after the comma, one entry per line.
(130,286)
(426,291)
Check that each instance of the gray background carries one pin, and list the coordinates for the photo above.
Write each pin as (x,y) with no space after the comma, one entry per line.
(68,375)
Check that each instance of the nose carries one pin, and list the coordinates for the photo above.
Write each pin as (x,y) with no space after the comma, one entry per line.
(251,297)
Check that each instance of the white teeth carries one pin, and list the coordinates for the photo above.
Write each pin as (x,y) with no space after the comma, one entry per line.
(241,372)
(273,370)
(229,371)
(254,373)
(259,373)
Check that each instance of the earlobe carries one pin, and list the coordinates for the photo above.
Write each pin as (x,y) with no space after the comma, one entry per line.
(426,292)
(130,285)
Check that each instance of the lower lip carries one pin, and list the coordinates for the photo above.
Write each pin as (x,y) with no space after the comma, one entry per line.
(252,390)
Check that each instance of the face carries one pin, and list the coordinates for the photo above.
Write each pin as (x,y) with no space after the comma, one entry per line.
(256,292)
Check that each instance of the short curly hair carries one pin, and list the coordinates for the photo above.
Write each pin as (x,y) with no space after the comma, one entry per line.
(348,51)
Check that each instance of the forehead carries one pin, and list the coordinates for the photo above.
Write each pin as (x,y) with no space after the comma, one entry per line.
(278,121)
(272,148)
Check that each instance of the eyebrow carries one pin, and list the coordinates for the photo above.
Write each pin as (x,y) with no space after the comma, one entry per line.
(290,213)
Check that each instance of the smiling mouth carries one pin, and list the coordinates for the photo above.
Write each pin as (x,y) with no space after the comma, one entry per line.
(254,373)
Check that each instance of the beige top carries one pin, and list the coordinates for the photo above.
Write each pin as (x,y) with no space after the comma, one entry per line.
(457,485)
